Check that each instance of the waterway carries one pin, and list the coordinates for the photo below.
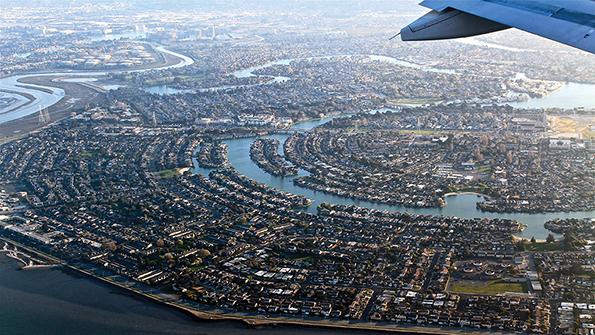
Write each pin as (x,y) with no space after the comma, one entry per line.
(14,101)
(250,71)
(45,96)
(132,35)
(475,42)
(165,90)
(462,205)
(272,79)
(58,301)
(569,96)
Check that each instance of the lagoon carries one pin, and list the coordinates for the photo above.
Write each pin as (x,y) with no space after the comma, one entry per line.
(461,205)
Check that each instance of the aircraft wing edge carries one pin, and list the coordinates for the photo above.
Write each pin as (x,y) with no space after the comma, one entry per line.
(502,12)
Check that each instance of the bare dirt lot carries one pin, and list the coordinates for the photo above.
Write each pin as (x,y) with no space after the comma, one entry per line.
(580,126)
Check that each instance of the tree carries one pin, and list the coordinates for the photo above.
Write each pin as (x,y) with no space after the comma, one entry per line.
(550,238)
(571,241)
(478,155)
(111,246)
(509,157)
(533,240)
(502,148)
(520,246)
(203,253)
(576,269)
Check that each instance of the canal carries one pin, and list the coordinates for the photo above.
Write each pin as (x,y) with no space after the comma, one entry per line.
(461,205)
(44,96)
(60,301)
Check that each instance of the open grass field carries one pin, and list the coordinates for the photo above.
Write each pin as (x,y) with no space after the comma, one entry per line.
(87,154)
(491,287)
(170,173)
(414,101)
(543,246)
(420,131)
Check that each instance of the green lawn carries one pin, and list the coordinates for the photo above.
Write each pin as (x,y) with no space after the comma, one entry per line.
(170,173)
(480,188)
(307,259)
(485,169)
(488,287)
(414,101)
(196,268)
(87,154)
(420,131)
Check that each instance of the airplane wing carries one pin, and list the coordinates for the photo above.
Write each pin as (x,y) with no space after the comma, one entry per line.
(570,22)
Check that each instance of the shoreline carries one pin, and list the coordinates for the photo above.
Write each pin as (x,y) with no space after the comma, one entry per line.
(255,321)
(480,212)
(26,123)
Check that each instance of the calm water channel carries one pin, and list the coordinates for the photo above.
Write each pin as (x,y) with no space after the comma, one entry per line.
(57,301)
(462,205)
